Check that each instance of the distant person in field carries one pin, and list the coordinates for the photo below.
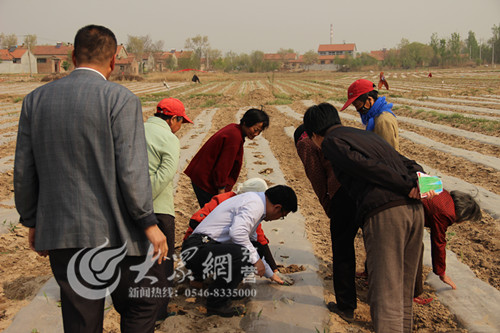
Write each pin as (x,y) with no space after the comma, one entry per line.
(376,114)
(382,82)
(341,210)
(196,79)
(216,166)
(430,74)
(261,243)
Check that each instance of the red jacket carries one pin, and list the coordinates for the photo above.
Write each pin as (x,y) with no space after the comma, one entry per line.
(200,215)
(439,215)
(218,163)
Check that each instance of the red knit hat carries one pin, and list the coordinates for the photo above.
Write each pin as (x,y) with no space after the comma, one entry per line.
(358,88)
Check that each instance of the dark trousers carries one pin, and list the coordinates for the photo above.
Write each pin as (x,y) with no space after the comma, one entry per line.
(167,226)
(343,230)
(201,264)
(83,315)
(202,196)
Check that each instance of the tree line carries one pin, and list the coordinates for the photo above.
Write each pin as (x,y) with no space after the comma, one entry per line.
(440,51)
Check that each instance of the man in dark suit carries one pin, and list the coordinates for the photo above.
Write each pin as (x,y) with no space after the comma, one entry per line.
(81,181)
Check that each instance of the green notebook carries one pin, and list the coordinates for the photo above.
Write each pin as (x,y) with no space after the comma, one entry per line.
(428,183)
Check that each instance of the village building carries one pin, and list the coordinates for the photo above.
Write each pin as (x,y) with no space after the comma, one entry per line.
(125,63)
(379,54)
(17,60)
(287,61)
(328,52)
(53,58)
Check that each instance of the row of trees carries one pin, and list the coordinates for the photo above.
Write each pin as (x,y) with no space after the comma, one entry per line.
(452,51)
(441,51)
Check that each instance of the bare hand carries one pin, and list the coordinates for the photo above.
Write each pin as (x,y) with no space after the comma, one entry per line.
(31,240)
(414,193)
(159,241)
(276,279)
(446,279)
(431,194)
(261,269)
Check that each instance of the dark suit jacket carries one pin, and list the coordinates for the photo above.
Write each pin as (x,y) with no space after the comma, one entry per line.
(81,166)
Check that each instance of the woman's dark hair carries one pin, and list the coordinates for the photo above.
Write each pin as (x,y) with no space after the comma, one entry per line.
(282,195)
(373,94)
(298,133)
(254,116)
(466,208)
(94,44)
(319,118)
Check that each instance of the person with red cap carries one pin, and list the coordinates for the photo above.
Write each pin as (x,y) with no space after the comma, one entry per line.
(376,114)
(163,156)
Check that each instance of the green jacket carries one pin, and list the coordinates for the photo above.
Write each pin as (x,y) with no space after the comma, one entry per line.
(163,155)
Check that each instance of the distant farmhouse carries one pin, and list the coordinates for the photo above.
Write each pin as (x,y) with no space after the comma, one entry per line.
(379,54)
(125,63)
(53,58)
(288,61)
(17,60)
(328,52)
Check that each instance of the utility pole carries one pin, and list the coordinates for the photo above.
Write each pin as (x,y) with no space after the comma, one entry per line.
(480,47)
(28,41)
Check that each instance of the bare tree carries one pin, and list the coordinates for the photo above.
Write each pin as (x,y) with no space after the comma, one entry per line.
(8,40)
(310,58)
(199,45)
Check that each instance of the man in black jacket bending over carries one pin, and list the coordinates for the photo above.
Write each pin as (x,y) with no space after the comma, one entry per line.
(384,185)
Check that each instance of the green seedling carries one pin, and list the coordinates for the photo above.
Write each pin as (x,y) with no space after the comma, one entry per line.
(260,312)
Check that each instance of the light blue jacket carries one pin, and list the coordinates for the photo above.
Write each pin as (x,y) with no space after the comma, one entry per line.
(163,155)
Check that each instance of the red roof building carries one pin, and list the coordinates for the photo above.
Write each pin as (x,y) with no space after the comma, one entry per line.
(53,58)
(328,52)
(17,60)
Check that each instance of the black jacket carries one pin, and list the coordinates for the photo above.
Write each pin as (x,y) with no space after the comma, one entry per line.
(376,176)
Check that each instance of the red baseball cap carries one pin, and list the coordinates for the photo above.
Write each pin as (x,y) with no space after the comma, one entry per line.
(358,88)
(173,107)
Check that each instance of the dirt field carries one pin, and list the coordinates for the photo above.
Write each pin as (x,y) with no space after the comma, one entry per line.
(471,96)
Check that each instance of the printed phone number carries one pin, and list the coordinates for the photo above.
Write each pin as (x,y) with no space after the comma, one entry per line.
(220,293)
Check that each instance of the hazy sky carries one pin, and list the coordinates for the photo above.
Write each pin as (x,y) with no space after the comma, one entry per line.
(244,26)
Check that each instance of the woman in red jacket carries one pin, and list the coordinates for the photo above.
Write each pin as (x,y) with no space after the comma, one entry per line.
(216,166)
(441,212)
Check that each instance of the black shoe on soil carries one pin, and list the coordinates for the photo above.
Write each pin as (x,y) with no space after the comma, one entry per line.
(347,315)
(226,311)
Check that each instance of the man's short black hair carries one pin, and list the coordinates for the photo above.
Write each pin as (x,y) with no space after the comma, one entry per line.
(254,116)
(319,118)
(282,195)
(94,44)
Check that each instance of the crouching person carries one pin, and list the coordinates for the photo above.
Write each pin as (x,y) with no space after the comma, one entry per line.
(221,246)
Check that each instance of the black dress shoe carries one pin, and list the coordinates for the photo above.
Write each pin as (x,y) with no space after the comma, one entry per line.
(226,311)
(347,315)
